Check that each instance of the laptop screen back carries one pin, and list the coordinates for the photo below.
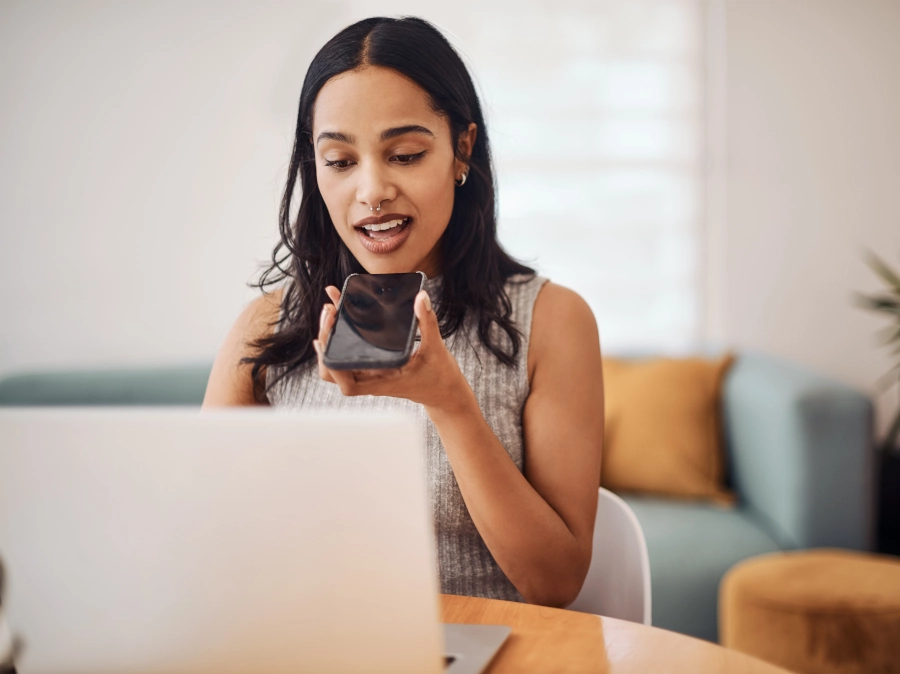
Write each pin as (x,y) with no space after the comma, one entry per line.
(178,541)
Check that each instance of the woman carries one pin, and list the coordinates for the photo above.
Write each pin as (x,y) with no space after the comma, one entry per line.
(507,378)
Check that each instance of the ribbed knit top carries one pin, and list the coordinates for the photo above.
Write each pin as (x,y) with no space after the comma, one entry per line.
(465,564)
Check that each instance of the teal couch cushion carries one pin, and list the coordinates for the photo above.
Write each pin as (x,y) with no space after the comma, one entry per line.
(691,546)
(160,386)
(800,449)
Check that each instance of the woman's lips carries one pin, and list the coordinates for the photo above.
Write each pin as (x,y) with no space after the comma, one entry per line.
(385,241)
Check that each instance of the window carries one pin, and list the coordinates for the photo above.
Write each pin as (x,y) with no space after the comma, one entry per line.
(596,117)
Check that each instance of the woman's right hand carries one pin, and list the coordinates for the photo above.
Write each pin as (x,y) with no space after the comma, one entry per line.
(431,377)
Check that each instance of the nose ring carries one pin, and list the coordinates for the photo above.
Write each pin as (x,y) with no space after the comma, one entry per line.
(376,209)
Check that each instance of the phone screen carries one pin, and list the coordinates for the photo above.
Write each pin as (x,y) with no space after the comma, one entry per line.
(375,325)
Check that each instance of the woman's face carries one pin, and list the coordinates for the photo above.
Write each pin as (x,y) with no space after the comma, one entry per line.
(378,142)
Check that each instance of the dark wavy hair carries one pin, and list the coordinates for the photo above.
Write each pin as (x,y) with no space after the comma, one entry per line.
(311,254)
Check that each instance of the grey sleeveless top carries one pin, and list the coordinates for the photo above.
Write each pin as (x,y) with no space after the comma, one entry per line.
(465,564)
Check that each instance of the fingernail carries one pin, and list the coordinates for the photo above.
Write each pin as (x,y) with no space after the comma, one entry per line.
(322,315)
(427,302)
(317,346)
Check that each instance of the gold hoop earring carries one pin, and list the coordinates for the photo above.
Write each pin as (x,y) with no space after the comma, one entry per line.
(462,179)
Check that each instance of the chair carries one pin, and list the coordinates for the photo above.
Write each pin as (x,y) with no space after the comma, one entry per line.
(618,581)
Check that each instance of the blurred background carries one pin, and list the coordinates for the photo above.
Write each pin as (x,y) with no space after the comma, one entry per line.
(703,172)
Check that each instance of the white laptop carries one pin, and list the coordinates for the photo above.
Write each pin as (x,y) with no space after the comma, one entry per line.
(183,541)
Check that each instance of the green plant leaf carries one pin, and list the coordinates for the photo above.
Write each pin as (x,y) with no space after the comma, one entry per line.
(888,334)
(888,380)
(862,301)
(878,301)
(890,440)
(886,273)
(882,304)
(886,303)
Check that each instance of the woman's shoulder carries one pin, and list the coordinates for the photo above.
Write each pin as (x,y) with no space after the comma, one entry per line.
(562,322)
(259,317)
(558,301)
(230,382)
(558,309)
(267,306)
(551,300)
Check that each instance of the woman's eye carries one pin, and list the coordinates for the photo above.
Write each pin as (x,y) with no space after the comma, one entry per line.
(406,159)
(338,164)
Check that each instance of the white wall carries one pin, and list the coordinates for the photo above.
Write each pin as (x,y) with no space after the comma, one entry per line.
(142,151)
(812,151)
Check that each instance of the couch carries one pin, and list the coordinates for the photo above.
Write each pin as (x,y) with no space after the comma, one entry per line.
(799,455)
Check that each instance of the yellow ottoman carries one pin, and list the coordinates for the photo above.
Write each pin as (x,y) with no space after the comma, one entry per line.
(817,611)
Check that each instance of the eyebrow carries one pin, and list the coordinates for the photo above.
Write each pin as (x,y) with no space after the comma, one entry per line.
(335,135)
(387,134)
(403,130)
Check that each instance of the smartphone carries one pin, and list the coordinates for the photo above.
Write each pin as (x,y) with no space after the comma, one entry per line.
(376,324)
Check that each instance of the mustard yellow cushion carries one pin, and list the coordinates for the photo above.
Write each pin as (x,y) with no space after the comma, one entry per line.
(821,611)
(663,427)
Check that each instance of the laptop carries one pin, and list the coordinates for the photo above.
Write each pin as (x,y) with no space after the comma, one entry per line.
(149,540)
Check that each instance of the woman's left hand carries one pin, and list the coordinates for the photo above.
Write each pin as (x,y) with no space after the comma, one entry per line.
(431,377)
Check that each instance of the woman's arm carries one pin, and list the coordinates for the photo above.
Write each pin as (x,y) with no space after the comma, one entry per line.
(230,383)
(538,526)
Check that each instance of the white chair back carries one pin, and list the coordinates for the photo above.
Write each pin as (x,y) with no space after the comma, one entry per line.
(618,582)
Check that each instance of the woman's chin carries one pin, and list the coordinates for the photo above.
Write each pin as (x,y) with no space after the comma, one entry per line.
(398,262)
(381,266)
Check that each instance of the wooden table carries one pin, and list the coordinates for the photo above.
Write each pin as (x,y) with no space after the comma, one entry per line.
(545,640)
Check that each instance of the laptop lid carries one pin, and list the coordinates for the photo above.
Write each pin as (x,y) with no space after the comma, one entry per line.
(178,541)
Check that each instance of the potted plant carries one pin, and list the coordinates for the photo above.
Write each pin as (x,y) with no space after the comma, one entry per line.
(888,303)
